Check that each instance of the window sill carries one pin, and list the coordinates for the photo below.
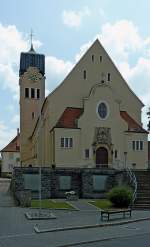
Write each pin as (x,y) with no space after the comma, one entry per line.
(66,148)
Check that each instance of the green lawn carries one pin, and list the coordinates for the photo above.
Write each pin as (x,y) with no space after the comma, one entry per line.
(101,203)
(46,203)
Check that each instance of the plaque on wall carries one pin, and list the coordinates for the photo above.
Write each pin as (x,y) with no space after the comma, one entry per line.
(99,182)
(65,182)
(31,182)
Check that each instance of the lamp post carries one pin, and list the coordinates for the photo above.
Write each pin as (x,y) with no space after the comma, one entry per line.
(125,160)
(40,197)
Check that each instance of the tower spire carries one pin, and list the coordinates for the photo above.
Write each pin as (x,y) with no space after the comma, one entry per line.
(31,41)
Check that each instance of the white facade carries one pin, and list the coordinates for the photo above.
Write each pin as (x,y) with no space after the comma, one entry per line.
(9,161)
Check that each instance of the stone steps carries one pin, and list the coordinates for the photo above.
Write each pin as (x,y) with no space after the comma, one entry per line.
(143,190)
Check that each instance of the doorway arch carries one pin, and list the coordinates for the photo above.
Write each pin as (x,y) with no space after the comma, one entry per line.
(102,156)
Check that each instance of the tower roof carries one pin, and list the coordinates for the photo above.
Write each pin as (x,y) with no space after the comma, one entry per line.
(32,59)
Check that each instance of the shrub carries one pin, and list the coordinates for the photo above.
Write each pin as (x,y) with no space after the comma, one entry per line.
(120,196)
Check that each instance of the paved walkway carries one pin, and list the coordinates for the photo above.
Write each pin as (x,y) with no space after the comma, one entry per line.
(6,200)
(83,205)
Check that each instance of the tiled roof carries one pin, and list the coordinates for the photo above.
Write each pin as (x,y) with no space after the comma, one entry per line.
(13,146)
(133,126)
(68,118)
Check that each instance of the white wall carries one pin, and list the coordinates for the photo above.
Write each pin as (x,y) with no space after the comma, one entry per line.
(10,160)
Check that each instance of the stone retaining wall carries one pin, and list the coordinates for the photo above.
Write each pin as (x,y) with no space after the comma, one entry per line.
(81,181)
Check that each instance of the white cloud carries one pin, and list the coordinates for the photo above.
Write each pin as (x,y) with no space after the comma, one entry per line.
(9,108)
(121,38)
(56,70)
(16,119)
(9,78)
(6,134)
(83,49)
(12,42)
(73,18)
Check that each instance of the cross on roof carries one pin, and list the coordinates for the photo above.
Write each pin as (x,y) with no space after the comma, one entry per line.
(31,36)
(31,39)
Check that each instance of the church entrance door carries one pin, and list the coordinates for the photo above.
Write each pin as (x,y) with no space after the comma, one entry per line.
(101,156)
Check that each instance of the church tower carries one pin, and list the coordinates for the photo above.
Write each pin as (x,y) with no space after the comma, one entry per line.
(32,96)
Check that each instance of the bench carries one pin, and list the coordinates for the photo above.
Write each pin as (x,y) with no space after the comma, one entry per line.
(124,212)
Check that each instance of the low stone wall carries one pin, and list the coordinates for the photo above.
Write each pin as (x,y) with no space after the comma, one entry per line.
(87,183)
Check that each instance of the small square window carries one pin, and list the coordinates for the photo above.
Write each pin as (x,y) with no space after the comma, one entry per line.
(137,145)
(66,142)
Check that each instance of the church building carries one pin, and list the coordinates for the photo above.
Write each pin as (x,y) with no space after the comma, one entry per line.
(91,120)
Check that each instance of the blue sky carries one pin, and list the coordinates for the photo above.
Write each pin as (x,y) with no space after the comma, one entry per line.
(63,30)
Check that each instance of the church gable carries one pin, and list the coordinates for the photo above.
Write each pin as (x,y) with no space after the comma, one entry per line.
(94,67)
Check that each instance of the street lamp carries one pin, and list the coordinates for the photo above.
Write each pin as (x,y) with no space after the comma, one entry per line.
(125,160)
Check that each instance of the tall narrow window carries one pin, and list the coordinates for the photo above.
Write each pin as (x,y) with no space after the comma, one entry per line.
(116,154)
(87,153)
(70,142)
(137,145)
(38,93)
(93,58)
(84,74)
(100,58)
(33,115)
(141,145)
(133,145)
(26,92)
(32,93)
(108,76)
(62,142)
(66,142)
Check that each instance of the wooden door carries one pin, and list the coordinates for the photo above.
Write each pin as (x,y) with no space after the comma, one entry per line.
(102,156)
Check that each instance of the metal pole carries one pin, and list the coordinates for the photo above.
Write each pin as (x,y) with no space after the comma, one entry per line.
(125,159)
(40,197)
